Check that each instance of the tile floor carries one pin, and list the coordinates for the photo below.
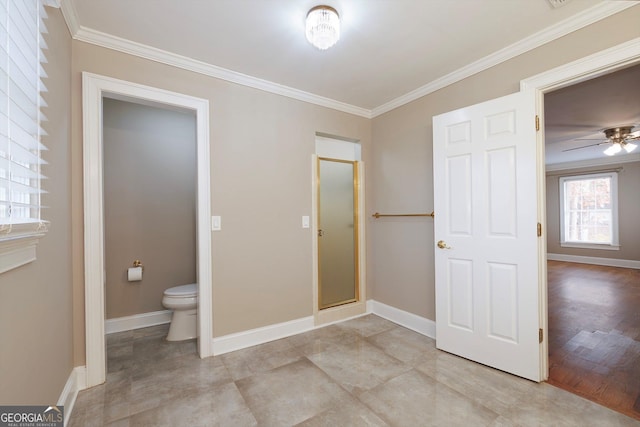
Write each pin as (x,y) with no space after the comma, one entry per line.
(362,372)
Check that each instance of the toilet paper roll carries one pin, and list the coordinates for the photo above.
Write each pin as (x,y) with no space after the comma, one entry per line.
(134,274)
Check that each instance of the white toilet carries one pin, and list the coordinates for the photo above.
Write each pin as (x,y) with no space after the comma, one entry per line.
(183,300)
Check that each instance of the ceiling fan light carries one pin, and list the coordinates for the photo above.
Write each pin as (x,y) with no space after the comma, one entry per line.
(629,147)
(615,148)
(323,27)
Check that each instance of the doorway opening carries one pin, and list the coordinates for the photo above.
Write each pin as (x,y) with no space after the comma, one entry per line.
(601,63)
(95,89)
(150,219)
(594,254)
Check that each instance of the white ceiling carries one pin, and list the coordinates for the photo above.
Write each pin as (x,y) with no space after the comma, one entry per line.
(390,52)
(388,48)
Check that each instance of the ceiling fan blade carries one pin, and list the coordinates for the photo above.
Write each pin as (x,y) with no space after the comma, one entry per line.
(633,136)
(585,146)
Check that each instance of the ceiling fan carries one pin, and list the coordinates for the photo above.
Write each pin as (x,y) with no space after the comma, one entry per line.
(619,137)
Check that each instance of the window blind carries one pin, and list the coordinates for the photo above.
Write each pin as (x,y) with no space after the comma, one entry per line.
(21,87)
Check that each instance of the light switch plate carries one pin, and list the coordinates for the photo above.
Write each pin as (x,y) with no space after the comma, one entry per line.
(305,221)
(216,223)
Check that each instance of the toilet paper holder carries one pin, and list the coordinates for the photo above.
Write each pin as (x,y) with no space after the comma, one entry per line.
(134,274)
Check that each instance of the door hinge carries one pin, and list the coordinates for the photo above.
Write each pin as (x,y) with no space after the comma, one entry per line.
(537,122)
(540,335)
(539,230)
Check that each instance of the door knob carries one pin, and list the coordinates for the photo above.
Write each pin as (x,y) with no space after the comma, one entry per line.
(442,245)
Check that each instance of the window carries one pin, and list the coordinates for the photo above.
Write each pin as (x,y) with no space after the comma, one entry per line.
(589,211)
(21,86)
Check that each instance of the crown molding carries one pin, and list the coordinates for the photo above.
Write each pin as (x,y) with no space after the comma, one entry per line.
(158,55)
(613,160)
(576,22)
(98,38)
(569,25)
(70,16)
(51,3)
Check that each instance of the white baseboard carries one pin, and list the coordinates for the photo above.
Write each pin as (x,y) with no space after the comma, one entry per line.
(240,340)
(340,313)
(611,262)
(137,321)
(77,381)
(411,321)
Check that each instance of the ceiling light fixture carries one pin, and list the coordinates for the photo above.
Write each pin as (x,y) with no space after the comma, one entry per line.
(620,138)
(323,27)
(614,149)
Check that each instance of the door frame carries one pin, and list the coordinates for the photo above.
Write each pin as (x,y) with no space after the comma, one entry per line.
(94,88)
(356,217)
(589,67)
(357,308)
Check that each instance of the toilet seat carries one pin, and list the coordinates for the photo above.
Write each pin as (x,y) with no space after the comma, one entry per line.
(183,301)
(183,291)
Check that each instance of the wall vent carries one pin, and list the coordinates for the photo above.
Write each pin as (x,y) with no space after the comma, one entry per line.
(558,3)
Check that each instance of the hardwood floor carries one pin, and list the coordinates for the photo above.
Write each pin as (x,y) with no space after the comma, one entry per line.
(594,333)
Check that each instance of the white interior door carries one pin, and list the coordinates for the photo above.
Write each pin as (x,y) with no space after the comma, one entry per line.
(486,259)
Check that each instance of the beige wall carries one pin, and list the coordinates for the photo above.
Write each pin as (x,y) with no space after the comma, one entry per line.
(35,299)
(261,146)
(149,203)
(402,260)
(628,213)
(261,151)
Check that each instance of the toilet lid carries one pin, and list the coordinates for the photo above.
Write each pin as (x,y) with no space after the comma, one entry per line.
(183,291)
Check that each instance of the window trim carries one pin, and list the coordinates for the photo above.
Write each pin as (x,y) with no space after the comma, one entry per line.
(615,237)
(18,247)
(18,241)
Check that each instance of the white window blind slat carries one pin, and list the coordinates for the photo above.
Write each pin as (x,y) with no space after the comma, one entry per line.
(26,120)
(41,71)
(26,11)
(18,171)
(4,143)
(17,153)
(42,41)
(21,79)
(24,139)
(22,76)
(18,33)
(4,121)
(21,204)
(22,48)
(26,102)
(3,27)
(18,188)
(19,185)
(21,88)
